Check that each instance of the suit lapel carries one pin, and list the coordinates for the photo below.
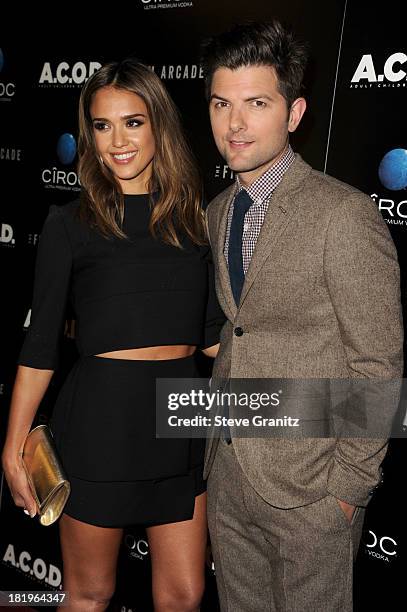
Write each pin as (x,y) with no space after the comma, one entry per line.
(283,206)
(221,260)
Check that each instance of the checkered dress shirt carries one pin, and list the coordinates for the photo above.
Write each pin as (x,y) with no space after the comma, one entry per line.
(261,191)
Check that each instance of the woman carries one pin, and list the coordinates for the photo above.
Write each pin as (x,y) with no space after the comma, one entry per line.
(130,255)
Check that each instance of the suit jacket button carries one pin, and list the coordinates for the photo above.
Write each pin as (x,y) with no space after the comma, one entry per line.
(238,331)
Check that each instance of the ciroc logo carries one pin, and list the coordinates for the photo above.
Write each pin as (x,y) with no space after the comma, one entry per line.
(393,170)
(7,90)
(57,178)
(395,211)
(138,548)
(383,548)
(164,4)
(66,149)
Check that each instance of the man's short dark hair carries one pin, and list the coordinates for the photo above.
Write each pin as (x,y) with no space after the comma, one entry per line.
(258,44)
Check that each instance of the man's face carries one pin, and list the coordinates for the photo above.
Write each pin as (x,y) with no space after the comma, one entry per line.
(250,119)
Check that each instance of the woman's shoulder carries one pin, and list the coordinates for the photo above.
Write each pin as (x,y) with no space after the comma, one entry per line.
(67,210)
(66,215)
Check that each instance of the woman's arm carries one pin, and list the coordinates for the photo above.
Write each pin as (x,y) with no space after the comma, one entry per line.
(29,388)
(211,351)
(38,357)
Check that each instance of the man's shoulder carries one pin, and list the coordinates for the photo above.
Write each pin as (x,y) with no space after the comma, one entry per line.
(332,196)
(327,182)
(330,188)
(324,193)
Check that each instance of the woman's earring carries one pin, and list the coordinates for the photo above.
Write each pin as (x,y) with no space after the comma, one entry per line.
(101,159)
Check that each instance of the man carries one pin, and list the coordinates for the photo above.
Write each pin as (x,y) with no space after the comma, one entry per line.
(307,275)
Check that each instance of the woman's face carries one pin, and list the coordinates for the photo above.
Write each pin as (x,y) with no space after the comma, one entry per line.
(123,137)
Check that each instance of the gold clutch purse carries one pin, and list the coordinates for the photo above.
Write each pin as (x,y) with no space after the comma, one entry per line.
(46,477)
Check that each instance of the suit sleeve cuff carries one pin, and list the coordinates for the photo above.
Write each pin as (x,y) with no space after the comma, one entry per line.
(347,486)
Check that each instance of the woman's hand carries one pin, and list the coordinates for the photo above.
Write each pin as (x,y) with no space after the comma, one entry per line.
(18,484)
(211,351)
(29,389)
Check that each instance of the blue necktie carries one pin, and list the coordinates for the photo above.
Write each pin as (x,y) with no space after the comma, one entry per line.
(241,205)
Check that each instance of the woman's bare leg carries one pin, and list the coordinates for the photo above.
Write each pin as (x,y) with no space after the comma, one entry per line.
(178,561)
(89,556)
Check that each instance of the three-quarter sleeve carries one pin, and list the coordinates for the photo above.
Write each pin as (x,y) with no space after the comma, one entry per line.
(51,286)
(215,318)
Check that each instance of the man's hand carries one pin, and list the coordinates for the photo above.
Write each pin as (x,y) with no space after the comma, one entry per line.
(347,509)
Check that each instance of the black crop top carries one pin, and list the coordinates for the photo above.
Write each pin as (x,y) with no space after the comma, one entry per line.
(125,294)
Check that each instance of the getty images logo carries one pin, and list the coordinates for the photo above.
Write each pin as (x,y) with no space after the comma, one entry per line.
(59,178)
(392,74)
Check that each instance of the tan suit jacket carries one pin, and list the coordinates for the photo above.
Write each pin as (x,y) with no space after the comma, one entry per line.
(321,299)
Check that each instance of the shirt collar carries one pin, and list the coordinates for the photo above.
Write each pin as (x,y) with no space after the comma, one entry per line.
(262,188)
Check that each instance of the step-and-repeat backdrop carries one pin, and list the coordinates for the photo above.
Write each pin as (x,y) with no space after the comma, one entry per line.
(354,129)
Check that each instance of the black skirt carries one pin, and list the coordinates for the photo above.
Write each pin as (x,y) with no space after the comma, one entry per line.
(104,429)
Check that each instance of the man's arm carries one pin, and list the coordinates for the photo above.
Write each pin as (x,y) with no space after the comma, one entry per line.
(362,274)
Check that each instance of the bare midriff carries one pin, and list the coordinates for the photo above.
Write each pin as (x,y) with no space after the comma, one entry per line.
(176,351)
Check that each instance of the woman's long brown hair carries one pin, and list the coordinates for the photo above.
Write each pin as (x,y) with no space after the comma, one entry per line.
(174,176)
